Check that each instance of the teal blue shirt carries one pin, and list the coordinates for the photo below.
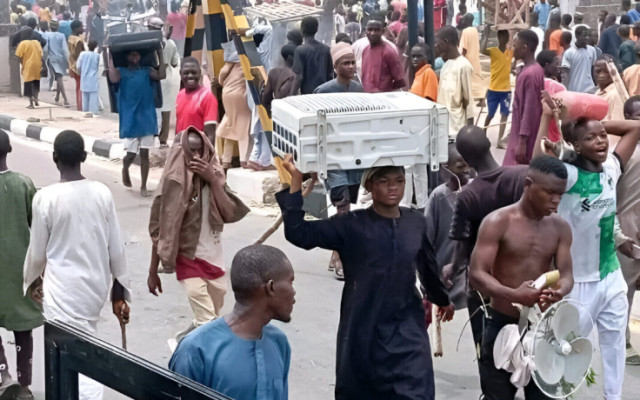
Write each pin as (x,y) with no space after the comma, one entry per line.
(136,106)
(241,369)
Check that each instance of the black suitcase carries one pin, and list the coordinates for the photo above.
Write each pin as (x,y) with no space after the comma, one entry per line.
(146,43)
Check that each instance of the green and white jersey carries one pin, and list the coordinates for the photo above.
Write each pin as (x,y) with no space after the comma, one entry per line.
(589,206)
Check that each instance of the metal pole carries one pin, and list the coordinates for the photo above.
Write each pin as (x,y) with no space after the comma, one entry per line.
(429,35)
(412,14)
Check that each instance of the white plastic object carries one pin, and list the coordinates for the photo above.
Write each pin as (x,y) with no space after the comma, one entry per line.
(562,349)
(566,322)
(344,131)
(549,363)
(578,361)
(547,279)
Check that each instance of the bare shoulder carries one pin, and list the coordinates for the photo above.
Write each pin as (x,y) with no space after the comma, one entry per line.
(560,224)
(497,221)
(500,215)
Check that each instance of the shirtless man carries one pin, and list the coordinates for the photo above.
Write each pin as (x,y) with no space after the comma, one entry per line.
(516,244)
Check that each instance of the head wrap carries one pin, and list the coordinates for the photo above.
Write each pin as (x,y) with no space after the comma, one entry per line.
(339,50)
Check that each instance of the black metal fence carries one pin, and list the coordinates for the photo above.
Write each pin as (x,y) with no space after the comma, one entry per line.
(69,352)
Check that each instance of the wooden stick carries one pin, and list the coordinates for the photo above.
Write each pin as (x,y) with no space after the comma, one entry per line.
(438,350)
(307,190)
(270,231)
(123,332)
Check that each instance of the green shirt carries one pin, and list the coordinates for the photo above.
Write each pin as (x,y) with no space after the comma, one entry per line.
(17,312)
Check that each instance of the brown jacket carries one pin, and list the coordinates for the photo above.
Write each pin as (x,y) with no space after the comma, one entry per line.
(176,214)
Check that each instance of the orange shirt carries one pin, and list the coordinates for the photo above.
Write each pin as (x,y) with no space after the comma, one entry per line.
(425,83)
(554,42)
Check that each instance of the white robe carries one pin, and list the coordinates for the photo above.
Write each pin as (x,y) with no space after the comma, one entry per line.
(77,246)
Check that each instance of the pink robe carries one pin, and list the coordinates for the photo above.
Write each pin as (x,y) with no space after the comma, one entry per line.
(527,111)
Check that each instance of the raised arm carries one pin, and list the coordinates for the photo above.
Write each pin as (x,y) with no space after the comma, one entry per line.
(629,132)
(483,258)
(160,73)
(301,233)
(114,73)
(484,49)
(543,130)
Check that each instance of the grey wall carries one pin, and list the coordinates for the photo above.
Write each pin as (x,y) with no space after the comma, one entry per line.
(4,11)
(590,9)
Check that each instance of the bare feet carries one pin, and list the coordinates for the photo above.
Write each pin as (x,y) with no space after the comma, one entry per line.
(126,179)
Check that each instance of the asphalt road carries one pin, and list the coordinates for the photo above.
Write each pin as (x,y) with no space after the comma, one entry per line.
(312,331)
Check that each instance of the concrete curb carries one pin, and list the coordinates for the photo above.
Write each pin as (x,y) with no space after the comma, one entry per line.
(107,148)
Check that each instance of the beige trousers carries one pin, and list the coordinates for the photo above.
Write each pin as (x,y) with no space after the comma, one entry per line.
(206,297)
(229,148)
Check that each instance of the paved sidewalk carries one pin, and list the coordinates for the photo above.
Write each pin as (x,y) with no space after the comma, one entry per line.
(100,132)
(46,121)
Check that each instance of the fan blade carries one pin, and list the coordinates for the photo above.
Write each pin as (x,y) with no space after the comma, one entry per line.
(565,322)
(578,361)
(549,364)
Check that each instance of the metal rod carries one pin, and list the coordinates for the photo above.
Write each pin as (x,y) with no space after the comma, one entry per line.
(429,34)
(412,13)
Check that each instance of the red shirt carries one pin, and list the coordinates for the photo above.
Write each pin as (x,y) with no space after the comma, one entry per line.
(382,70)
(196,108)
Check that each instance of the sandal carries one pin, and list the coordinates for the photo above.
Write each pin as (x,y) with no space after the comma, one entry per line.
(339,274)
(632,357)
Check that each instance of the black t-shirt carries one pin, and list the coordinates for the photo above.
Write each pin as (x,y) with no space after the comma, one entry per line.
(312,60)
(485,194)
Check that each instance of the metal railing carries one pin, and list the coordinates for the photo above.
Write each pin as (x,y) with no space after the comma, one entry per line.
(69,351)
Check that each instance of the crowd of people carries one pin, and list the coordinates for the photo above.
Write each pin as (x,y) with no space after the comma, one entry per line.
(470,242)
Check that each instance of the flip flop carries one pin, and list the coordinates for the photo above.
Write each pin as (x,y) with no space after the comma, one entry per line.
(632,357)
(339,274)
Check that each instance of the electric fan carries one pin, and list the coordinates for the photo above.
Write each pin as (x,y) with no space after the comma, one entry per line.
(561,349)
